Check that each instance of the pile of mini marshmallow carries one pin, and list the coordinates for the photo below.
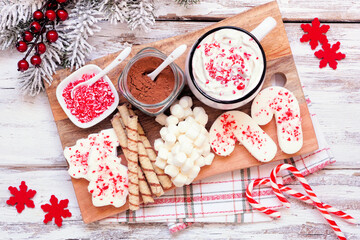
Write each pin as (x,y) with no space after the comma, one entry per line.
(184,144)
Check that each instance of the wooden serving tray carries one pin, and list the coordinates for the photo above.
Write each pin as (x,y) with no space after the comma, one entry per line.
(279,60)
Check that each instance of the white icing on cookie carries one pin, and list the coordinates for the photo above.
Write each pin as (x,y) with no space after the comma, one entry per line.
(234,126)
(109,183)
(282,103)
(78,155)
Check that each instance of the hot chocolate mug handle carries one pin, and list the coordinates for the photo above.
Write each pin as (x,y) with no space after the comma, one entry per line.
(264,28)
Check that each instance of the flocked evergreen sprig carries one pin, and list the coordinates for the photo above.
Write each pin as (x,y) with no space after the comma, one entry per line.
(187,2)
(114,10)
(31,81)
(81,24)
(72,47)
(14,18)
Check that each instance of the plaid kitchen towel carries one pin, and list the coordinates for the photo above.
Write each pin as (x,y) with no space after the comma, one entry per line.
(222,198)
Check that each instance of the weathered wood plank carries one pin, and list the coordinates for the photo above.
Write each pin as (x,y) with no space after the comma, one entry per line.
(304,10)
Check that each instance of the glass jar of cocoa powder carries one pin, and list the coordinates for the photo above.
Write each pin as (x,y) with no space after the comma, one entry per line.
(151,97)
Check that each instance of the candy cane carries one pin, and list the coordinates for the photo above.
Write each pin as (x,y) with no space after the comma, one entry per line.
(329,208)
(308,190)
(291,192)
(254,203)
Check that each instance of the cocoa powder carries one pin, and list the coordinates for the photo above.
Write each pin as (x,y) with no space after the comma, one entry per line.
(143,88)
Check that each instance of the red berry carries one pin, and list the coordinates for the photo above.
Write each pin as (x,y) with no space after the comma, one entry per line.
(40,48)
(27,36)
(21,46)
(52,5)
(61,1)
(23,65)
(35,27)
(38,15)
(50,15)
(62,14)
(35,60)
(52,36)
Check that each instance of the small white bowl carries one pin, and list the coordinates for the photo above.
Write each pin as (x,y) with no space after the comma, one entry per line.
(88,69)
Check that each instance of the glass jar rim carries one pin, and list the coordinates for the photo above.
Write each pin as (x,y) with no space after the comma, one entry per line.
(141,54)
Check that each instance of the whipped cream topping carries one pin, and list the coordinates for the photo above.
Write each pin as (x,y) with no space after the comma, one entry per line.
(227,64)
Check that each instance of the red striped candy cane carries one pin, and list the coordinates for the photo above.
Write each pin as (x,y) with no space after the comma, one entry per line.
(306,199)
(254,203)
(291,192)
(308,190)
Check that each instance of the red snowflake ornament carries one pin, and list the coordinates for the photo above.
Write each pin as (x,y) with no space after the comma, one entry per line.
(314,33)
(329,55)
(56,210)
(21,197)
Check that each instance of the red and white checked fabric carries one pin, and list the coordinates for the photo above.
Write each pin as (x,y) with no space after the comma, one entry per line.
(222,198)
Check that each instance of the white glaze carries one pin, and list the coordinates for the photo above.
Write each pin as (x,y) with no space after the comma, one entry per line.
(109,183)
(234,126)
(283,104)
(78,155)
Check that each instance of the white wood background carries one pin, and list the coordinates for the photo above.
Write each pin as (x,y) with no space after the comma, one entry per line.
(30,147)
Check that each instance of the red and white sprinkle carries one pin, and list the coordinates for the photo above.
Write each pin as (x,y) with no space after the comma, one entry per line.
(89,102)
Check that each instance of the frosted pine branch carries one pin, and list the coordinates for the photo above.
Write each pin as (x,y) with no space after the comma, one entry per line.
(114,10)
(14,17)
(8,37)
(141,14)
(187,2)
(31,81)
(13,12)
(78,27)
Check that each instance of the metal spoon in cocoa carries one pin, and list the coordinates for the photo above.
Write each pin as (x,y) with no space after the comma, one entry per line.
(172,57)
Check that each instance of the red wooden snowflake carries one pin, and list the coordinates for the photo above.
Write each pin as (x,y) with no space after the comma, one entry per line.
(56,210)
(21,197)
(314,33)
(330,55)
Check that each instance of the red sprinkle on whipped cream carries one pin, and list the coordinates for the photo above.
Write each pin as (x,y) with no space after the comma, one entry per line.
(227,64)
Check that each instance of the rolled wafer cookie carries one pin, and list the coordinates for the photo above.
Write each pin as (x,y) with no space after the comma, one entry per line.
(121,135)
(163,178)
(124,113)
(133,163)
(144,188)
(148,169)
